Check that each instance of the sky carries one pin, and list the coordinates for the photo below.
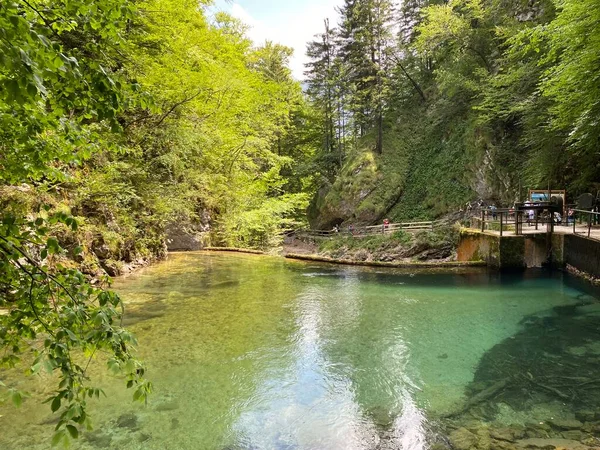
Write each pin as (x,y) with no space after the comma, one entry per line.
(288,22)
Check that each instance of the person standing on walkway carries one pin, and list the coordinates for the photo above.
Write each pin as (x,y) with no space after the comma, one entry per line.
(386,225)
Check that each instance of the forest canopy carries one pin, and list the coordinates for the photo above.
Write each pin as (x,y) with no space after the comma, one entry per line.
(454,100)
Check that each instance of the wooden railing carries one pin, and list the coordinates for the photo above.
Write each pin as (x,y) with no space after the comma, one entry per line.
(371,230)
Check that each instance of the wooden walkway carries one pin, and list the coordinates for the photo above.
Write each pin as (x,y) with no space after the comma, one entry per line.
(580,230)
(505,223)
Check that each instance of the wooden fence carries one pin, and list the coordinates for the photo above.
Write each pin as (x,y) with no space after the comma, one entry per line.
(370,230)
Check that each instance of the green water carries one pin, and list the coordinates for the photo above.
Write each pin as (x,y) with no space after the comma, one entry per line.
(256,352)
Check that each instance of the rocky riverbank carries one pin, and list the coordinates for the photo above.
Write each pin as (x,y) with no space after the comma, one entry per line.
(401,247)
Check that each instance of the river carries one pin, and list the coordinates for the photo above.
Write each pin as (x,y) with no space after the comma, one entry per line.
(258,352)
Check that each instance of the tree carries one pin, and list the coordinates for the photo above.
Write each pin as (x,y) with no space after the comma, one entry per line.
(59,101)
(321,80)
(366,41)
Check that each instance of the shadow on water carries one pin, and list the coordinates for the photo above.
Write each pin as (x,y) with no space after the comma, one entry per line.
(467,277)
(541,383)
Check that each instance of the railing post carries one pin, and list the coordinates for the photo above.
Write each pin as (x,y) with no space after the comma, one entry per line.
(574,222)
(501,214)
(516,222)
(589,223)
(482,220)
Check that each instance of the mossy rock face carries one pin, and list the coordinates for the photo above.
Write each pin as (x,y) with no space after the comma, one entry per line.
(350,197)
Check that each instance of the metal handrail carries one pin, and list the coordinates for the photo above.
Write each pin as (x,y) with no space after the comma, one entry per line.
(510,216)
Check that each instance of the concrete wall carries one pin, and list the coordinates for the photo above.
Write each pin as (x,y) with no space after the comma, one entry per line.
(520,252)
(477,246)
(504,253)
(509,252)
(583,254)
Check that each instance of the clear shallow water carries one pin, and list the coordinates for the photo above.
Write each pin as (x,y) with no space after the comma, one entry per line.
(254,352)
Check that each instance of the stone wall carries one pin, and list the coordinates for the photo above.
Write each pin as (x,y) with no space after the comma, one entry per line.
(583,254)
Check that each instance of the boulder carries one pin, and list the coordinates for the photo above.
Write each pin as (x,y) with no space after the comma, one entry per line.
(184,238)
(507,434)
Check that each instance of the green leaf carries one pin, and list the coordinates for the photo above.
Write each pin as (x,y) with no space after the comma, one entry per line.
(58,436)
(55,406)
(17,398)
(73,431)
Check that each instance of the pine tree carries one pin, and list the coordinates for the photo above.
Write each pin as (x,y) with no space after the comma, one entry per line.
(320,79)
(366,40)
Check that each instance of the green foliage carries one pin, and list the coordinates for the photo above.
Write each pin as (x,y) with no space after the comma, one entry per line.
(487,97)
(57,93)
(439,237)
(58,322)
(379,242)
(263,227)
(125,117)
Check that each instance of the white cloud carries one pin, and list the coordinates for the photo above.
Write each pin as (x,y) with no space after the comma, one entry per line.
(293,27)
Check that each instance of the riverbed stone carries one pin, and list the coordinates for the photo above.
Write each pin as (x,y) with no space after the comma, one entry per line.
(508,434)
(128,420)
(551,444)
(585,415)
(463,439)
(98,438)
(438,446)
(167,405)
(484,441)
(537,430)
(565,424)
(502,445)
(575,435)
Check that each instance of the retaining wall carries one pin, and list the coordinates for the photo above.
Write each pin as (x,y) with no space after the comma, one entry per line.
(511,252)
(583,254)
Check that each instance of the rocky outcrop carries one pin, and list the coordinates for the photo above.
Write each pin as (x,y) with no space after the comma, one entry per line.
(185,238)
(187,235)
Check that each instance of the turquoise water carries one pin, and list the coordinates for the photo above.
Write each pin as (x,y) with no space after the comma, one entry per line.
(257,352)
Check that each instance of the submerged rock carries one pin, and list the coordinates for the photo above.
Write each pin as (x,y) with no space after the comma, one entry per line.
(565,424)
(128,420)
(167,405)
(463,439)
(98,438)
(551,444)
(508,434)
(575,435)
(585,415)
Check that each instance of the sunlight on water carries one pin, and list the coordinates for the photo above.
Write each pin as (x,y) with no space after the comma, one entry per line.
(254,352)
